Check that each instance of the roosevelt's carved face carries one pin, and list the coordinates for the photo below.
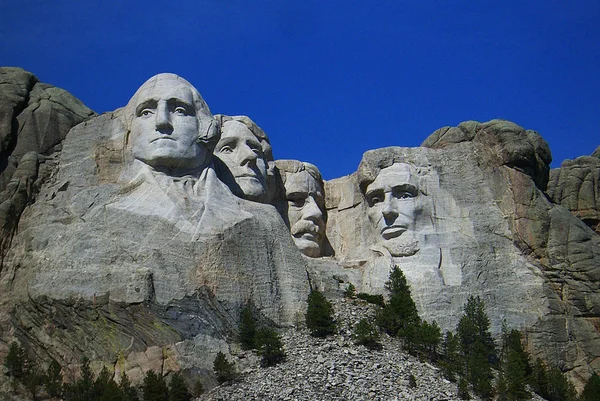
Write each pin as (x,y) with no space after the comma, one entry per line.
(242,153)
(164,129)
(305,212)
(393,208)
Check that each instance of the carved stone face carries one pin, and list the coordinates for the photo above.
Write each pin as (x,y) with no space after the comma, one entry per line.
(393,208)
(164,129)
(305,212)
(242,153)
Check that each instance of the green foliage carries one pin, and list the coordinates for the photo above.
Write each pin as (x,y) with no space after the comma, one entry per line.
(128,392)
(551,384)
(350,291)
(412,381)
(423,338)
(82,389)
(16,361)
(366,334)
(198,389)
(319,315)
(178,389)
(477,346)
(154,387)
(269,347)
(463,389)
(515,366)
(400,313)
(105,388)
(224,370)
(372,299)
(53,379)
(247,328)
(591,391)
(451,360)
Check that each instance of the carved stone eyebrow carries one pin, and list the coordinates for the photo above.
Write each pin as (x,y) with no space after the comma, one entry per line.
(176,102)
(406,188)
(149,103)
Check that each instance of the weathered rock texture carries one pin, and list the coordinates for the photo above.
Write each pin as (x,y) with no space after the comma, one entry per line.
(576,186)
(486,228)
(34,118)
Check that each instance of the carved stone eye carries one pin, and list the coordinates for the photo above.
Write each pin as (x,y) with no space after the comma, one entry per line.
(180,110)
(225,149)
(297,201)
(146,112)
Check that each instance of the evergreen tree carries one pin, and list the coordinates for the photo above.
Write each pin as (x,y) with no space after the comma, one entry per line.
(16,361)
(224,370)
(350,291)
(366,334)
(53,379)
(83,388)
(269,347)
(539,378)
(477,346)
(105,388)
(463,389)
(127,390)
(559,387)
(424,339)
(247,328)
(198,389)
(154,387)
(178,389)
(515,365)
(319,315)
(451,360)
(399,316)
(591,391)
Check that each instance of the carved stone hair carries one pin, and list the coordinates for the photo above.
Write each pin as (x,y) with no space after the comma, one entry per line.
(374,161)
(208,128)
(296,166)
(255,129)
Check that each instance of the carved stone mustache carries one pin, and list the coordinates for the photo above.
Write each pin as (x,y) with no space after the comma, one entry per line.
(304,226)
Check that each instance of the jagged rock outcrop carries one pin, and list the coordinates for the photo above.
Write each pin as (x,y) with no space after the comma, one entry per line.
(576,186)
(34,118)
(479,223)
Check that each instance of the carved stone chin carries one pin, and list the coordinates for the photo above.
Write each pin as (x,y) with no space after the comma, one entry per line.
(405,245)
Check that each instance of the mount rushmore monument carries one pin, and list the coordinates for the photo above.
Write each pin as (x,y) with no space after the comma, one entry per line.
(135,237)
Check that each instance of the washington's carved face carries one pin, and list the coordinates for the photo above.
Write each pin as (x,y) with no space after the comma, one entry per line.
(164,129)
(393,208)
(242,153)
(305,212)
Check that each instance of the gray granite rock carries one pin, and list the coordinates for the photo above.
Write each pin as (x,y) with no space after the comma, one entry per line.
(576,186)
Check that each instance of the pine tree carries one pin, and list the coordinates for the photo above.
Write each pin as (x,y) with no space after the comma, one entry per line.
(154,387)
(128,391)
(178,389)
(319,315)
(224,370)
(366,334)
(269,347)
(515,365)
(591,391)
(350,291)
(16,361)
(53,379)
(477,346)
(451,360)
(399,316)
(559,387)
(247,328)
(83,388)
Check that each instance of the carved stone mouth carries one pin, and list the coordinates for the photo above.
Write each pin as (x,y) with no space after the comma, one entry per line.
(393,231)
(162,137)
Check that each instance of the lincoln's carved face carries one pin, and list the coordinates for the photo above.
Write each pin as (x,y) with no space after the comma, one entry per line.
(243,155)
(305,212)
(393,208)
(165,127)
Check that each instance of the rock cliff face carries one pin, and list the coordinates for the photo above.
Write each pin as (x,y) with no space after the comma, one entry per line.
(576,186)
(119,258)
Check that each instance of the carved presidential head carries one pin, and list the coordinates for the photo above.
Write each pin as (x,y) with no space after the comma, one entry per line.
(305,203)
(244,158)
(393,191)
(170,127)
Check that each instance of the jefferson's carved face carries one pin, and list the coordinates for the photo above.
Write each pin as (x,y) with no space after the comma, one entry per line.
(164,129)
(393,207)
(242,153)
(305,212)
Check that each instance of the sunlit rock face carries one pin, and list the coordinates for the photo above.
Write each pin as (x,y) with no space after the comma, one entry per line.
(139,237)
(478,223)
(136,228)
(576,186)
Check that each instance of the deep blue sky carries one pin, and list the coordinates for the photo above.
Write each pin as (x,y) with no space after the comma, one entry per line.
(328,80)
